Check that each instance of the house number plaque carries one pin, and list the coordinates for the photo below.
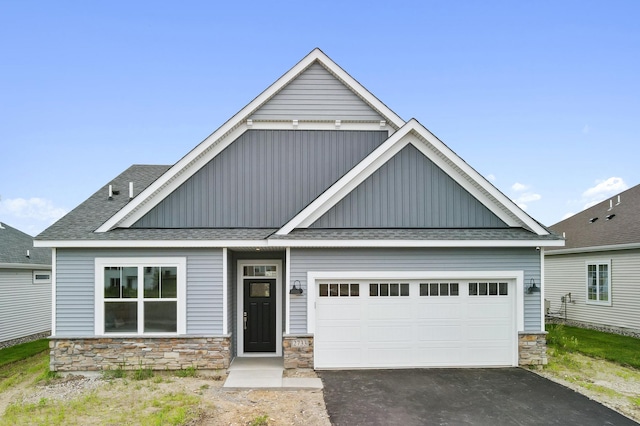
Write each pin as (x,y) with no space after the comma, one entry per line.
(299,343)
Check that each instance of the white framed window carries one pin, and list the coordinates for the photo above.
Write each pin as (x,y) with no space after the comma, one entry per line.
(599,282)
(140,296)
(42,277)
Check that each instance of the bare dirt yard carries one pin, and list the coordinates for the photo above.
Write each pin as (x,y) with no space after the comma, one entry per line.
(27,396)
(142,397)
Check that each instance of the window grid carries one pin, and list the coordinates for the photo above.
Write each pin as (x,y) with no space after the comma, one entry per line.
(598,282)
(439,289)
(388,289)
(488,289)
(339,290)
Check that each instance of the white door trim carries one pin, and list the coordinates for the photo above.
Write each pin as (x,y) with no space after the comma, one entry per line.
(240,305)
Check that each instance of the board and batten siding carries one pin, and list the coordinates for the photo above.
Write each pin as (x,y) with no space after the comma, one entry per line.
(76,282)
(567,273)
(316,95)
(415,259)
(409,191)
(263,179)
(25,307)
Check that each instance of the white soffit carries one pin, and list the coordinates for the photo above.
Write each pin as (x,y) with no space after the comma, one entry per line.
(434,149)
(230,131)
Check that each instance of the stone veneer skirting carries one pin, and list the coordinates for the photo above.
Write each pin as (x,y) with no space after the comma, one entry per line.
(130,353)
(532,348)
(298,351)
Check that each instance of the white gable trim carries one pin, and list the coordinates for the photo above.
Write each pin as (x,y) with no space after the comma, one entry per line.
(414,133)
(227,133)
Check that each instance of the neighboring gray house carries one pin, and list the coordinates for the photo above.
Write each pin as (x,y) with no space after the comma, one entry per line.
(595,278)
(316,225)
(25,286)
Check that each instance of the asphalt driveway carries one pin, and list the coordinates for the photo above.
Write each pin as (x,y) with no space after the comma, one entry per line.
(498,396)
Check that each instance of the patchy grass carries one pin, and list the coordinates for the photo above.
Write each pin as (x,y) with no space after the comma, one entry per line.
(187,372)
(114,404)
(622,350)
(22,351)
(33,368)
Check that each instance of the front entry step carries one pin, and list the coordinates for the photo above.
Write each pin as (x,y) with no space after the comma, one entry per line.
(265,373)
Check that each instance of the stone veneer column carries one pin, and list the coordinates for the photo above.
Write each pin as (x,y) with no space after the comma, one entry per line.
(532,348)
(298,351)
(130,353)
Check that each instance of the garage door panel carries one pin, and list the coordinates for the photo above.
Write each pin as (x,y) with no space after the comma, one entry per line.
(387,333)
(438,311)
(446,333)
(426,330)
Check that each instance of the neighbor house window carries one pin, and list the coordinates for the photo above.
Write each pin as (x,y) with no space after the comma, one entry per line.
(140,296)
(599,282)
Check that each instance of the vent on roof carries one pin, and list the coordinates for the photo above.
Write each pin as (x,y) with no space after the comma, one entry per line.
(618,200)
(1,227)
(593,219)
(611,216)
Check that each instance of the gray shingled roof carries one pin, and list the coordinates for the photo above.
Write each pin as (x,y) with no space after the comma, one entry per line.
(14,245)
(416,234)
(621,228)
(80,223)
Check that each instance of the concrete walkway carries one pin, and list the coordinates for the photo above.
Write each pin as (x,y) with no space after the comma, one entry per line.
(265,373)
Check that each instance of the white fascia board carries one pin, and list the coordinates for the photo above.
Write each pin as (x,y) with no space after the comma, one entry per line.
(25,266)
(320,125)
(194,160)
(413,243)
(486,186)
(155,243)
(348,182)
(284,243)
(594,249)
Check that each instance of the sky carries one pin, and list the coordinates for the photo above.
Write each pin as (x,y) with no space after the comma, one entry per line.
(542,98)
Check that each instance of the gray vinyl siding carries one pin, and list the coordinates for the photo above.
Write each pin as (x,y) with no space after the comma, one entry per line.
(419,259)
(25,307)
(568,274)
(409,191)
(316,95)
(76,283)
(263,179)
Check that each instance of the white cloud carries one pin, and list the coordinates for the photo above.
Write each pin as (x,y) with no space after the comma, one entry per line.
(491,177)
(602,190)
(519,187)
(38,209)
(586,129)
(567,215)
(522,206)
(528,197)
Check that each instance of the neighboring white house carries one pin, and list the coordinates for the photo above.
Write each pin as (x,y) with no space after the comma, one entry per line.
(25,286)
(595,278)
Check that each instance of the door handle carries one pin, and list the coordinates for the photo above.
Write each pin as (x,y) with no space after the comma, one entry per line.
(244,317)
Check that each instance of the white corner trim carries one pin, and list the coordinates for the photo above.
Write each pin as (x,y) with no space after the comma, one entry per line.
(54,257)
(225,296)
(314,276)
(542,290)
(194,160)
(287,283)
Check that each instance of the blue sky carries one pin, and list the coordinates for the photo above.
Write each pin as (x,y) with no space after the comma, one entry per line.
(543,98)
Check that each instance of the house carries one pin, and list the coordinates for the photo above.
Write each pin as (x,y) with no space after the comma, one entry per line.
(25,287)
(314,225)
(593,280)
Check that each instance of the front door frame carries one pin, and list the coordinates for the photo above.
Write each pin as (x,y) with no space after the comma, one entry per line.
(240,305)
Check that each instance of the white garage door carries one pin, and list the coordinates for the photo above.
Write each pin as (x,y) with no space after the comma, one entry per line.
(369,324)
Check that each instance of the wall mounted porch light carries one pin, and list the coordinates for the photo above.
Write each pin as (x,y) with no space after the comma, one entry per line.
(532,287)
(296,290)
